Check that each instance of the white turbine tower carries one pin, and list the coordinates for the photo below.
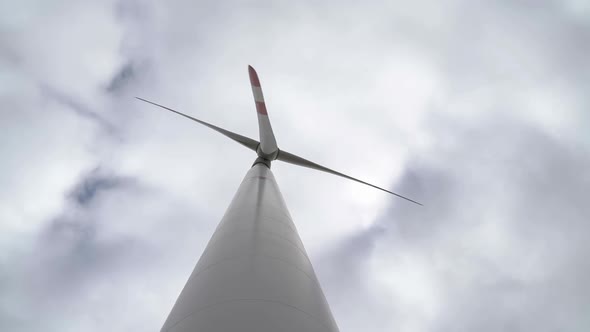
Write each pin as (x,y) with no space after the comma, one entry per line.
(254,275)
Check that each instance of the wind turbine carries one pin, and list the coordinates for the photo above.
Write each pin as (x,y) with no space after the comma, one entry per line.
(255,275)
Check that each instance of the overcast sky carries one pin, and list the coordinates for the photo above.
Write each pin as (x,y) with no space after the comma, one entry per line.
(480,110)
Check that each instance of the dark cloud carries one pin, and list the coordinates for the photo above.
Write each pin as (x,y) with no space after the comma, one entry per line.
(503,231)
(122,78)
(71,254)
(73,243)
(79,108)
(86,261)
(344,272)
(96,182)
(139,44)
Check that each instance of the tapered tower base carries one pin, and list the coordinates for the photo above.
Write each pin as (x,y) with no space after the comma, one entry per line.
(254,275)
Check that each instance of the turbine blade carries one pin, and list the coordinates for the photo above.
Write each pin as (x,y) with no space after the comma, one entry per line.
(268,143)
(296,160)
(245,141)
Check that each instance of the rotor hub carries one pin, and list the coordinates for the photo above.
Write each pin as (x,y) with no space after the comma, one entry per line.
(267,156)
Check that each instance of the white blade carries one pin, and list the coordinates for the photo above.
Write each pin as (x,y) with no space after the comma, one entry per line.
(296,160)
(268,143)
(245,141)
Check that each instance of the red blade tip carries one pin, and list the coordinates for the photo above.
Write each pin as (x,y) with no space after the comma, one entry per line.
(253,77)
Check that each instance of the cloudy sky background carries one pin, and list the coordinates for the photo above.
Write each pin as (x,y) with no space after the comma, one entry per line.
(480,110)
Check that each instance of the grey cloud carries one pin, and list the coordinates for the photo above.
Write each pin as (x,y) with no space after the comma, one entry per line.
(68,255)
(73,243)
(138,47)
(343,270)
(83,264)
(508,178)
(496,176)
(500,238)
(96,182)
(79,108)
(122,78)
